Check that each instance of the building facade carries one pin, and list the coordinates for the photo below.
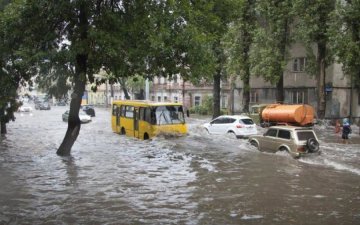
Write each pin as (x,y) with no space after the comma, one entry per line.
(342,98)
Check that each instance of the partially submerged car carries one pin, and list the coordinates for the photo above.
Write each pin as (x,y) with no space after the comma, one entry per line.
(88,109)
(298,141)
(44,106)
(84,118)
(25,108)
(238,125)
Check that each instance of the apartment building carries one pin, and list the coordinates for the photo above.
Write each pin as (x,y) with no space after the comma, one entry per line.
(178,90)
(342,98)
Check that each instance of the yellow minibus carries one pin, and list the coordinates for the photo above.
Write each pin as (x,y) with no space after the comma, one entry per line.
(146,119)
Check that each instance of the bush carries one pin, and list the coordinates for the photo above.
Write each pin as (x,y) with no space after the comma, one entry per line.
(206,108)
(201,110)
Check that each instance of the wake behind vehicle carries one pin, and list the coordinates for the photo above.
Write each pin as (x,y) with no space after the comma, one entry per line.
(298,141)
(147,119)
(238,125)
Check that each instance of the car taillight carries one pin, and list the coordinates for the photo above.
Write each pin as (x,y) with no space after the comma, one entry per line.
(239,126)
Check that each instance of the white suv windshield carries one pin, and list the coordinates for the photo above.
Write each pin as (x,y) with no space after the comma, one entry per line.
(305,135)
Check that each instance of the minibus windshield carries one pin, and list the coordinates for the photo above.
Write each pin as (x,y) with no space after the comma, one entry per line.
(169,115)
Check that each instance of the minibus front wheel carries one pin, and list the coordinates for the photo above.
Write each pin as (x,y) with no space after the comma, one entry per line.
(122,131)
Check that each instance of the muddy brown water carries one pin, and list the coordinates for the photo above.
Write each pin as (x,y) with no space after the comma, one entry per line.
(197,179)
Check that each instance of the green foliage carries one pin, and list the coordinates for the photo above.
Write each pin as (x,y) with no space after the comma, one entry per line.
(206,107)
(239,39)
(135,83)
(199,109)
(345,37)
(14,68)
(313,26)
(271,39)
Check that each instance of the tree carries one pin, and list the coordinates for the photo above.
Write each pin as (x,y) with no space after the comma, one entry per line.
(64,34)
(13,63)
(123,38)
(213,18)
(345,37)
(238,43)
(269,55)
(313,28)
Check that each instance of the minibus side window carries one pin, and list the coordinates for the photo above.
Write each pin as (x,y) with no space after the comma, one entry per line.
(148,115)
(142,113)
(114,110)
(129,112)
(122,111)
(153,115)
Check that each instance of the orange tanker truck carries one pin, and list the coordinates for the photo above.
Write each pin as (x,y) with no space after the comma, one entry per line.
(297,115)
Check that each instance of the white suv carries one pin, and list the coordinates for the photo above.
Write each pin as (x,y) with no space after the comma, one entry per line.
(297,141)
(240,126)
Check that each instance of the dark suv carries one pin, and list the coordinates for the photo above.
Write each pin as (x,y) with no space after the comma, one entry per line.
(297,141)
(88,109)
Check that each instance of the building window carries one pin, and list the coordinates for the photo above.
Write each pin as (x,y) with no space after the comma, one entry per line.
(197,100)
(299,64)
(254,96)
(176,99)
(159,98)
(165,98)
(224,101)
(299,97)
(153,98)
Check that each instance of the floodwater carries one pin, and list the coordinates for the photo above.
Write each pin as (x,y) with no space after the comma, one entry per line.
(197,179)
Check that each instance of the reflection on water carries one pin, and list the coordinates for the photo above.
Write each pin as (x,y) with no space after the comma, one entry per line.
(197,179)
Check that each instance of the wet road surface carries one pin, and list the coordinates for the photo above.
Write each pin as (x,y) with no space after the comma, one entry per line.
(197,179)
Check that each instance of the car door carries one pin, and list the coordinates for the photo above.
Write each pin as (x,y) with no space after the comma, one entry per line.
(217,126)
(284,139)
(269,140)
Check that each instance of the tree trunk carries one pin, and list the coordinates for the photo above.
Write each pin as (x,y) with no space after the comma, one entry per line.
(2,121)
(321,80)
(217,90)
(246,77)
(3,127)
(123,87)
(246,93)
(280,95)
(231,97)
(280,90)
(74,123)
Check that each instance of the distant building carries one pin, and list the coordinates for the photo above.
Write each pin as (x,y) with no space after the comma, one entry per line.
(177,90)
(342,99)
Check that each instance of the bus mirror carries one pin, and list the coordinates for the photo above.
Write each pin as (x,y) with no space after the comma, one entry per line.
(187,113)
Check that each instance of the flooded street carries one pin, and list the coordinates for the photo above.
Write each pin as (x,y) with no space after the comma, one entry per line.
(197,179)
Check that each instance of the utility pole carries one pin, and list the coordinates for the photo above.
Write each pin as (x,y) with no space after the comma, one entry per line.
(147,89)
(106,94)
